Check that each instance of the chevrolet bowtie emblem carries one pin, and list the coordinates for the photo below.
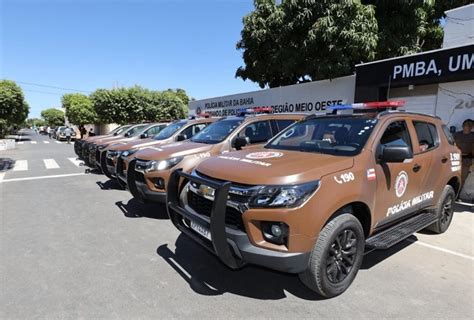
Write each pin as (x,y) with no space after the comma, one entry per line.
(206,191)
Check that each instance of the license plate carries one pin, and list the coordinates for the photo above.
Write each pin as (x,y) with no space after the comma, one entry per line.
(201,230)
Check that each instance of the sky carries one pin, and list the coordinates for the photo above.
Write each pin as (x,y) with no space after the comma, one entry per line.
(86,45)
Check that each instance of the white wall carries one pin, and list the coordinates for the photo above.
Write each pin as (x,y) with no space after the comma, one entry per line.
(455,102)
(459,27)
(307,97)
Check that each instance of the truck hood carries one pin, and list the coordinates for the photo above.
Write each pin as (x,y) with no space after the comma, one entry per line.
(126,145)
(273,167)
(172,150)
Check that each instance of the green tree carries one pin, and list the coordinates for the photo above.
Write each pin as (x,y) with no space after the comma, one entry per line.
(53,117)
(14,109)
(79,109)
(35,122)
(136,104)
(297,41)
(181,93)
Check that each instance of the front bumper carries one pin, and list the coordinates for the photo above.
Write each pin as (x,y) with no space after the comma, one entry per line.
(232,246)
(148,194)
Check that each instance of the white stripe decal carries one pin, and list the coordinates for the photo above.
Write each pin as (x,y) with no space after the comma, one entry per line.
(44,177)
(50,164)
(21,165)
(76,162)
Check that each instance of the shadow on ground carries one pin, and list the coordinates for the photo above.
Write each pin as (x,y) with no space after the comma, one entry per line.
(206,275)
(135,209)
(108,185)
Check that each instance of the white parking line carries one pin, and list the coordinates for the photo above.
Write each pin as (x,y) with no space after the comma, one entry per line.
(2,175)
(20,165)
(44,177)
(454,253)
(50,164)
(57,141)
(21,142)
(76,162)
(45,141)
(33,142)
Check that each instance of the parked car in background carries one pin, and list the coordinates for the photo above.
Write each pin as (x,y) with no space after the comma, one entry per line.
(149,172)
(60,135)
(81,146)
(108,155)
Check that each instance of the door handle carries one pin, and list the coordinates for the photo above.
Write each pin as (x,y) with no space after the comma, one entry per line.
(416,167)
(444,159)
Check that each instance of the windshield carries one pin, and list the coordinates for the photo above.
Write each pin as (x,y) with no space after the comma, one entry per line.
(345,136)
(169,130)
(120,130)
(217,131)
(136,130)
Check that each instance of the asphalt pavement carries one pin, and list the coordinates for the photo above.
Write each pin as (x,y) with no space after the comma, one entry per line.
(73,245)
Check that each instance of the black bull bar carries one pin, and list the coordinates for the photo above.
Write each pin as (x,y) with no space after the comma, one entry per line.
(219,244)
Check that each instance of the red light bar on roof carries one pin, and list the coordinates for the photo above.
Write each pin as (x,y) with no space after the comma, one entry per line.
(260,109)
(379,104)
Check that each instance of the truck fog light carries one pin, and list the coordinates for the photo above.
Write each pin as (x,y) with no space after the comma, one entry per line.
(159,183)
(275,232)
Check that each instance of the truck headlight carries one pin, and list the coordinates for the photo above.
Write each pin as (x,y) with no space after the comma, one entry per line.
(113,153)
(283,196)
(129,152)
(158,165)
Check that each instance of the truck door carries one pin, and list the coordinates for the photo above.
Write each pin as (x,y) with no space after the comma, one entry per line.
(430,160)
(397,182)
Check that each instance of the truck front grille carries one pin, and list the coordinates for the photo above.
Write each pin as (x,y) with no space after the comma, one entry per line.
(203,206)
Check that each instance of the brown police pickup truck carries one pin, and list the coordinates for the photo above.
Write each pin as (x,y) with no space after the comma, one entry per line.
(321,193)
(177,131)
(148,172)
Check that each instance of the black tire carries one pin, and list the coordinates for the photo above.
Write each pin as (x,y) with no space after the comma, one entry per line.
(121,183)
(103,166)
(444,210)
(327,257)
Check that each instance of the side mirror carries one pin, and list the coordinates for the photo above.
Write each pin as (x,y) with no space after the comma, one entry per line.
(181,137)
(240,142)
(396,153)
(144,135)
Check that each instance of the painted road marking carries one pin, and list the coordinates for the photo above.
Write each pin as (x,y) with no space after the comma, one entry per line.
(50,164)
(76,162)
(33,142)
(45,141)
(57,141)
(454,253)
(44,177)
(2,175)
(21,142)
(20,165)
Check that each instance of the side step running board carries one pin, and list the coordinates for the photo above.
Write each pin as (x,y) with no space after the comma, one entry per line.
(400,232)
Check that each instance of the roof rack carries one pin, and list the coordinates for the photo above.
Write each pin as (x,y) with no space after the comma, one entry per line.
(374,106)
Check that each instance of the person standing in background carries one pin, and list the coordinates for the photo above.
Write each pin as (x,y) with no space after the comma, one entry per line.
(465,141)
(68,133)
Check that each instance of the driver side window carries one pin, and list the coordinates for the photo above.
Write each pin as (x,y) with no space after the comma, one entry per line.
(396,134)
(257,132)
